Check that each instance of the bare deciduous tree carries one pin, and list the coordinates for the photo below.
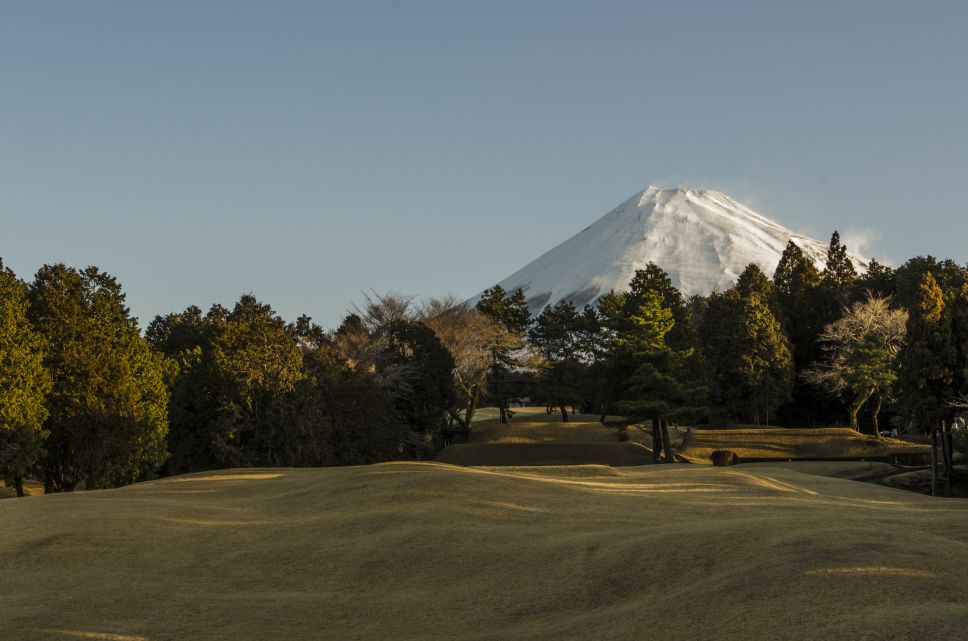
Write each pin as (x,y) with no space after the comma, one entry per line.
(861,355)
(472,339)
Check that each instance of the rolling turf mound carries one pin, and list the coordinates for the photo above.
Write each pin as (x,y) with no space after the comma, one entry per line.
(789,443)
(423,551)
(507,454)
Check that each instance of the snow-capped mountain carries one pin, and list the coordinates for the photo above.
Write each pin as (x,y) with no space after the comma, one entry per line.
(703,239)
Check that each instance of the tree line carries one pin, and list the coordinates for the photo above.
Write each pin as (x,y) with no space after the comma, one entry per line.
(89,400)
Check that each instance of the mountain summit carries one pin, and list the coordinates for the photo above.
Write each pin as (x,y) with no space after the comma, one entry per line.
(703,239)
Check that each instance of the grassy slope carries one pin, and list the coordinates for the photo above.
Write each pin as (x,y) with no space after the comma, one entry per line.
(787,443)
(432,551)
(536,438)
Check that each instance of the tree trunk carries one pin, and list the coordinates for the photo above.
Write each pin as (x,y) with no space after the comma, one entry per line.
(564,411)
(656,440)
(877,411)
(18,483)
(666,443)
(504,412)
(855,409)
(601,419)
(469,414)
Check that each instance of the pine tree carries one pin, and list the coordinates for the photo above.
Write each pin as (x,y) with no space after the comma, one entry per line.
(512,312)
(567,339)
(661,385)
(24,384)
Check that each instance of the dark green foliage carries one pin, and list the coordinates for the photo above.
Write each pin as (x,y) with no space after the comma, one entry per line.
(753,282)
(253,390)
(662,384)
(337,416)
(746,351)
(958,314)
(878,281)
(512,313)
(510,310)
(804,308)
(927,361)
(568,341)
(108,408)
(429,374)
(24,384)
(651,280)
(238,366)
(839,272)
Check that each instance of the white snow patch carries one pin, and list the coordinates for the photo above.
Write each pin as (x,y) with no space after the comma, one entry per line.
(703,239)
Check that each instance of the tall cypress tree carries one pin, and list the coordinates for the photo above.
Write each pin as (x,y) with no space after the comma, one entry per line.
(746,350)
(839,272)
(109,402)
(654,280)
(24,384)
(927,359)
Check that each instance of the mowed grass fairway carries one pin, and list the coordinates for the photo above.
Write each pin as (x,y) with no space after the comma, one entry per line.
(534,437)
(435,551)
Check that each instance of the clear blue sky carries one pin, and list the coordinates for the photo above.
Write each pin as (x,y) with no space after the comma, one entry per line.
(305,151)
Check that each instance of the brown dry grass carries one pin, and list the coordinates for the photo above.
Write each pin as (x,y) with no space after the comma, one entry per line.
(31,488)
(430,551)
(787,443)
(534,437)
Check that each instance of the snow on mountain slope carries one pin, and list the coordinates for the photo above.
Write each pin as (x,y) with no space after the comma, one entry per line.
(703,239)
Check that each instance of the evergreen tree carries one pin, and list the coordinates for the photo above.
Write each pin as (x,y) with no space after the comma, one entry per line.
(753,282)
(927,360)
(512,312)
(654,280)
(804,308)
(24,384)
(237,369)
(746,350)
(958,310)
(661,386)
(429,375)
(877,281)
(108,408)
(337,415)
(567,339)
(839,272)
